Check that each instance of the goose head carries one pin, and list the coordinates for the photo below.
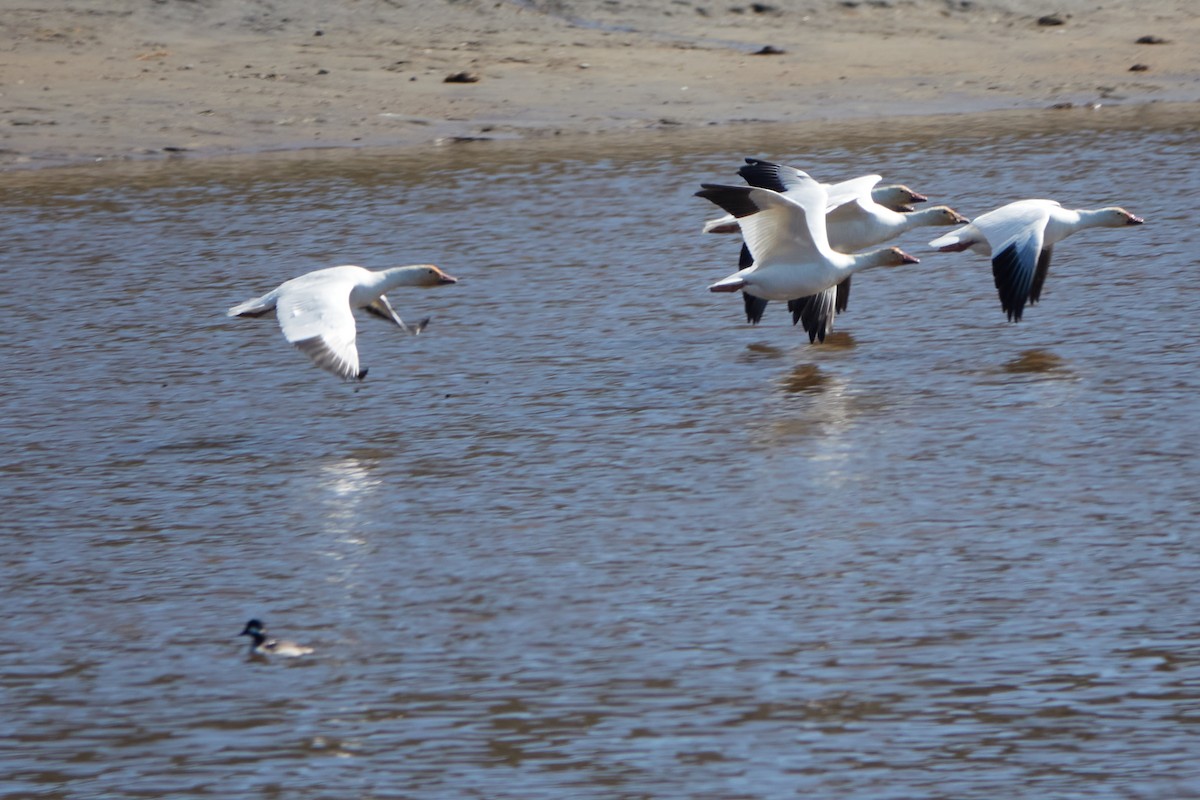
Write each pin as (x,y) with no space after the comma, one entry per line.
(944,215)
(897,197)
(427,275)
(894,257)
(1115,217)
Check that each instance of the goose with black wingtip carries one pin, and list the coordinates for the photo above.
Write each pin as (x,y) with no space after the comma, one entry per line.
(854,221)
(316,310)
(1020,239)
(786,237)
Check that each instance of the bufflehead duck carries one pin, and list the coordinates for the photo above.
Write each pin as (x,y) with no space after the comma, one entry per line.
(263,646)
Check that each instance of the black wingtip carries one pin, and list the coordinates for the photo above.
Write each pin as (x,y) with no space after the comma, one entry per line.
(1013,282)
(362,373)
(816,313)
(733,199)
(755,306)
(842,301)
(745,257)
(764,175)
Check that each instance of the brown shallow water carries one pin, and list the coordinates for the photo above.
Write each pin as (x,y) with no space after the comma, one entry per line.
(592,535)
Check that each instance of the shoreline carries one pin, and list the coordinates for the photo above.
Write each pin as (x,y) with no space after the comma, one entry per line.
(768,139)
(218,78)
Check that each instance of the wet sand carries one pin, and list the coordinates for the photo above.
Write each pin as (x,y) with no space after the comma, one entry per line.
(214,77)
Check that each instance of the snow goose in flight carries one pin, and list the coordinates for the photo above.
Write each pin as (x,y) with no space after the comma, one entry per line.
(1022,236)
(854,220)
(316,310)
(785,235)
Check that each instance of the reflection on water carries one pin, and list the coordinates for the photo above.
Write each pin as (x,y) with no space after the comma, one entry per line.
(760,351)
(347,479)
(591,535)
(1038,362)
(348,485)
(805,379)
(840,340)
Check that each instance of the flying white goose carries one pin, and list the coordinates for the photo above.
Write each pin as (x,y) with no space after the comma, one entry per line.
(785,236)
(316,310)
(854,220)
(1022,235)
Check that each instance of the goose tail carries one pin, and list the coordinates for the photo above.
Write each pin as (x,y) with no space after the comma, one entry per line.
(253,308)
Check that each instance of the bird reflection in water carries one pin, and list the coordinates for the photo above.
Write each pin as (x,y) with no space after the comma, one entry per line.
(805,379)
(1039,362)
(839,340)
(757,352)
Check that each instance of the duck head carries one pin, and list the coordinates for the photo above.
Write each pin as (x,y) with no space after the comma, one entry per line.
(253,628)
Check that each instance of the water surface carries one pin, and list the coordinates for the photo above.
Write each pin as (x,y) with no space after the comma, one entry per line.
(592,535)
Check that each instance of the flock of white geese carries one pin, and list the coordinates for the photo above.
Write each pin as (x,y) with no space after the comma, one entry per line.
(802,242)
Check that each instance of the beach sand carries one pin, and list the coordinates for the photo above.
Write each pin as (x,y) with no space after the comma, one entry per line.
(150,80)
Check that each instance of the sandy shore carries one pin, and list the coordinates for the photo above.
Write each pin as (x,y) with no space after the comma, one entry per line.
(142,79)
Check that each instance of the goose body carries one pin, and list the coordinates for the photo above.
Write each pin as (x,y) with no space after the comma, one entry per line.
(1020,238)
(263,645)
(864,223)
(792,260)
(316,310)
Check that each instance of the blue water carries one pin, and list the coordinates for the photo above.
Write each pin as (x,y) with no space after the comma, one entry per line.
(591,535)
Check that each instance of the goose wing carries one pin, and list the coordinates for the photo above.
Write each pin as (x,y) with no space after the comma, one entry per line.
(1017,239)
(764,175)
(318,320)
(755,306)
(843,295)
(776,227)
(784,179)
(854,192)
(380,307)
(776,177)
(816,312)
(1039,274)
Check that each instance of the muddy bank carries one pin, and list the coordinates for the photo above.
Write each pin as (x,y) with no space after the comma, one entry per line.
(136,81)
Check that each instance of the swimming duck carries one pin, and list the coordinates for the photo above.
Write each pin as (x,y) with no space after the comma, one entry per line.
(316,310)
(1022,236)
(263,646)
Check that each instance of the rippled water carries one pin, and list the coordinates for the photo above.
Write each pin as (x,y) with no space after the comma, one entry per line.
(592,535)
